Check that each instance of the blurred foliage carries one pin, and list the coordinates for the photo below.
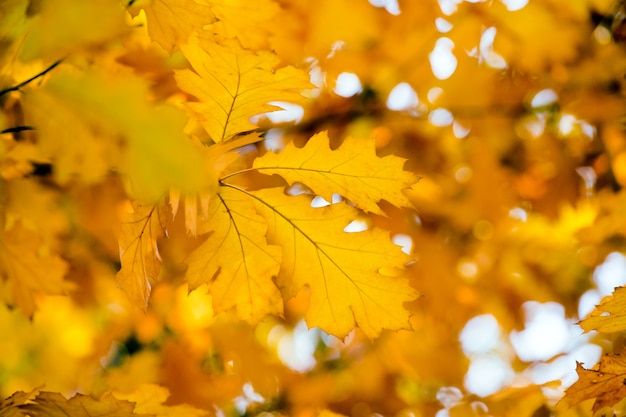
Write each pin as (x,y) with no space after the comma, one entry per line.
(158,246)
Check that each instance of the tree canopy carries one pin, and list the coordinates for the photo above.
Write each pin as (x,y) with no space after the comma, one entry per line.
(295,208)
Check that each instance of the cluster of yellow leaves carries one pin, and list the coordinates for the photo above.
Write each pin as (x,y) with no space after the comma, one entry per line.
(135,150)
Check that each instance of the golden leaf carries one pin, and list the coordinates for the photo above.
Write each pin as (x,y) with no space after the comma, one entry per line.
(233,84)
(172,22)
(139,253)
(235,260)
(65,26)
(150,145)
(353,171)
(606,383)
(346,272)
(27,267)
(615,320)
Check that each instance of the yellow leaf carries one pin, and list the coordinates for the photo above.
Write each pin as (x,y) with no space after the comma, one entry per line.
(64,26)
(172,22)
(615,320)
(235,260)
(250,22)
(606,384)
(26,268)
(353,171)
(150,399)
(139,253)
(105,122)
(233,84)
(346,272)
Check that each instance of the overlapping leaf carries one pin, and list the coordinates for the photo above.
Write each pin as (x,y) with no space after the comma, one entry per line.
(353,170)
(606,383)
(151,147)
(233,84)
(235,260)
(172,22)
(610,315)
(141,262)
(52,404)
(349,274)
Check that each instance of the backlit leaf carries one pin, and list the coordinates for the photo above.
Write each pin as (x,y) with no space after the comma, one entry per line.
(353,171)
(139,253)
(348,273)
(610,315)
(233,84)
(235,260)
(172,22)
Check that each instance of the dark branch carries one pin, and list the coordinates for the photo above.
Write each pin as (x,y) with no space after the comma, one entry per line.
(31,79)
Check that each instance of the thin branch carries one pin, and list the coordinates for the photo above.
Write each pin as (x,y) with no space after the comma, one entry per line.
(31,79)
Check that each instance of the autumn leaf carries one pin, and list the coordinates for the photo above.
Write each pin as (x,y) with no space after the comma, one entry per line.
(250,22)
(172,22)
(235,259)
(52,404)
(141,227)
(28,267)
(151,147)
(347,272)
(353,170)
(65,26)
(606,383)
(232,85)
(10,406)
(610,315)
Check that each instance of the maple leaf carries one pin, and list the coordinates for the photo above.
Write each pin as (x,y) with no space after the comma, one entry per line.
(353,170)
(52,404)
(610,315)
(172,22)
(233,84)
(606,384)
(139,253)
(345,271)
(27,267)
(235,259)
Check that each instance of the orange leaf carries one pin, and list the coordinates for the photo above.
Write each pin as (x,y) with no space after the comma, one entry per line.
(606,384)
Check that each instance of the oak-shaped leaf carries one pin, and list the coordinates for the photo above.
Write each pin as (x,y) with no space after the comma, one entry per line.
(27,266)
(141,227)
(353,171)
(610,315)
(606,383)
(235,260)
(233,84)
(52,404)
(353,277)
